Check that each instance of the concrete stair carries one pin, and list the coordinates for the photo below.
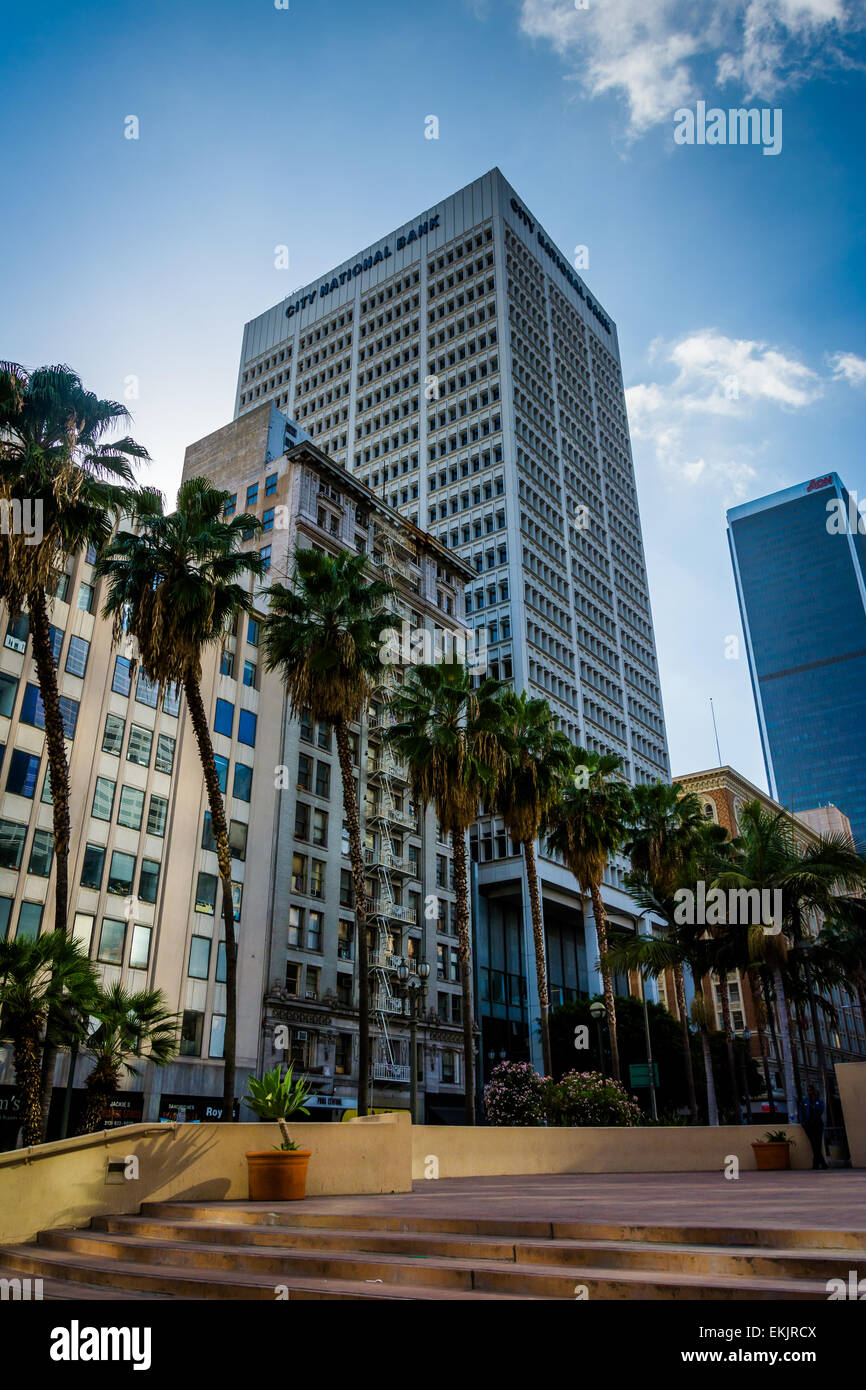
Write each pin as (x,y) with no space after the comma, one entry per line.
(237,1250)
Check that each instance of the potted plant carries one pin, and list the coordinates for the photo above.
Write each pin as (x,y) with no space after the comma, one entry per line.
(773,1152)
(278,1174)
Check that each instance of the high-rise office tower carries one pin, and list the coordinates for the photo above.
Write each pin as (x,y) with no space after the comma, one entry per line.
(145,895)
(461,368)
(799,560)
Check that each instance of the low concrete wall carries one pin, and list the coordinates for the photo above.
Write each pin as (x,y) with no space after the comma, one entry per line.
(63,1184)
(494,1152)
(852,1092)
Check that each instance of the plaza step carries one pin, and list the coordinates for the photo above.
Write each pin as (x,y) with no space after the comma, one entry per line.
(233,1250)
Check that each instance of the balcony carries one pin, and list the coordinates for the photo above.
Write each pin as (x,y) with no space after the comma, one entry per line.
(394,815)
(385,960)
(384,859)
(391,1071)
(381,1003)
(393,911)
(385,766)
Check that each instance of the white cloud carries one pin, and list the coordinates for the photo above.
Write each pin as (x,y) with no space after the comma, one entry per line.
(730,369)
(649,52)
(847,366)
(700,425)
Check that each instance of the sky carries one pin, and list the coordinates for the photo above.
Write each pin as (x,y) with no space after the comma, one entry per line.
(736,277)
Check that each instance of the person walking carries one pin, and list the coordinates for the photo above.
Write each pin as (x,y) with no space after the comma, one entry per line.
(812,1120)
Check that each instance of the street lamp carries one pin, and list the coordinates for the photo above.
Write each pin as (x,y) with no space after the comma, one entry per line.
(413,988)
(746,1035)
(597,1010)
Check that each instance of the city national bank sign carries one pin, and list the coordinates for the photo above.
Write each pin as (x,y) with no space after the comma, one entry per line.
(328,286)
(562,266)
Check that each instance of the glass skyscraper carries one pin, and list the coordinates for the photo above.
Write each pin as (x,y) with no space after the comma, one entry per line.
(799,561)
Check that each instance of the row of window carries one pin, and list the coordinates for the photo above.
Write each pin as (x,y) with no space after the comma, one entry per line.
(270,489)
(140,744)
(130,810)
(32,708)
(146,691)
(121,873)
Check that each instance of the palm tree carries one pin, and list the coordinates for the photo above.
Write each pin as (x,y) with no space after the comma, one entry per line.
(176,585)
(450,735)
(844,939)
(667,826)
(587,825)
(703,1015)
(537,756)
(46,976)
(129,1025)
(810,877)
(57,466)
(60,470)
(325,635)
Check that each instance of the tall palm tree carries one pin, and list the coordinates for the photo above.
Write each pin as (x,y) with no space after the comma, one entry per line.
(703,1015)
(176,584)
(325,635)
(46,976)
(60,469)
(844,939)
(811,878)
(537,757)
(666,828)
(57,461)
(586,826)
(450,735)
(130,1025)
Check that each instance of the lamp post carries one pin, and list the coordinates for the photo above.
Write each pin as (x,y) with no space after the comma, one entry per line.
(597,1011)
(413,988)
(746,1035)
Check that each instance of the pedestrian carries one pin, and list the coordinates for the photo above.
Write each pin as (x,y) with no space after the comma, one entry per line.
(812,1120)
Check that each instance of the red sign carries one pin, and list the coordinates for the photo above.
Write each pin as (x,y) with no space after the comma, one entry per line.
(817,483)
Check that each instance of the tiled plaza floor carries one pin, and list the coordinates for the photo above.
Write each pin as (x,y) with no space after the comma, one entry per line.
(831,1200)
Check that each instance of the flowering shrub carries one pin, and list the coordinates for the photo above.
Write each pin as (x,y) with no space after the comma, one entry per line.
(514,1095)
(588,1098)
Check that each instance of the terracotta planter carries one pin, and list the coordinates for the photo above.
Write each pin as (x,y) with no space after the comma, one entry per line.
(772,1157)
(277,1175)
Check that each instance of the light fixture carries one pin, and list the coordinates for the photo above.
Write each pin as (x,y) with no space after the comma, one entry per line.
(403,972)
(597,1009)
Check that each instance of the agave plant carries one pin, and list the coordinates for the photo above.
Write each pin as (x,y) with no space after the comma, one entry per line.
(275,1097)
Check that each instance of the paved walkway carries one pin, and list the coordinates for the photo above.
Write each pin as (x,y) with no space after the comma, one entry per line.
(831,1200)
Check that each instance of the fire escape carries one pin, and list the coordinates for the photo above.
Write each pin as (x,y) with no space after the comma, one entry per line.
(389,867)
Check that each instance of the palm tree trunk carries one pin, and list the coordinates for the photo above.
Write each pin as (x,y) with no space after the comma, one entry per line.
(785,1043)
(600,916)
(680,987)
(27,1078)
(760,1012)
(219,828)
(94,1109)
(712,1104)
(860,985)
(356,858)
(461,885)
(58,764)
(540,960)
(724,999)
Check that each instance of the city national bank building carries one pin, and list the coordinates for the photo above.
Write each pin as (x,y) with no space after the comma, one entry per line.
(461,368)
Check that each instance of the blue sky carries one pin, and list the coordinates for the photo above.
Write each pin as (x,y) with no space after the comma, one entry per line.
(736,279)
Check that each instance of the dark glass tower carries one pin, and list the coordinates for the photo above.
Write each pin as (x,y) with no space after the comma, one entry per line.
(799,561)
